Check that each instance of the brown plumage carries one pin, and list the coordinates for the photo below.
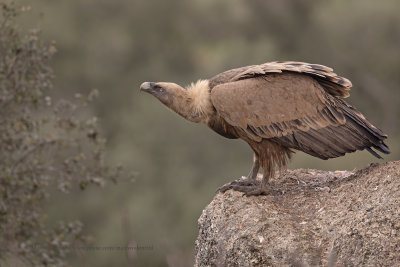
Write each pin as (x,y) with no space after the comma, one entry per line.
(276,107)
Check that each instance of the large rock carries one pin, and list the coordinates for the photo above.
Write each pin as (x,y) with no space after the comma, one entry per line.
(314,218)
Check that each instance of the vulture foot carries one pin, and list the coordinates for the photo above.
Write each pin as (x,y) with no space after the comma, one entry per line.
(255,190)
(248,187)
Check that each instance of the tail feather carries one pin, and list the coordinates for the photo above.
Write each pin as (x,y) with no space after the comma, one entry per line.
(371,135)
(373,153)
(382,148)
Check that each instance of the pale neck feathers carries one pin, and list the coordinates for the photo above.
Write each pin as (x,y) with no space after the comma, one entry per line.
(200,101)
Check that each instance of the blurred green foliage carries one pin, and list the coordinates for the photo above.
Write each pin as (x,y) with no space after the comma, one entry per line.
(44,144)
(116,45)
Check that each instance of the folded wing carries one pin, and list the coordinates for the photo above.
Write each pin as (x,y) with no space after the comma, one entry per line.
(297,108)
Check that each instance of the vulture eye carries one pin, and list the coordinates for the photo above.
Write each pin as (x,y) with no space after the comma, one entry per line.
(159,89)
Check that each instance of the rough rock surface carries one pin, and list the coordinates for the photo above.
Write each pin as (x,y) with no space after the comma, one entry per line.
(314,218)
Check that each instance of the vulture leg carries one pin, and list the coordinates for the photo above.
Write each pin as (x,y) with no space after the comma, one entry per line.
(254,169)
(243,183)
(267,155)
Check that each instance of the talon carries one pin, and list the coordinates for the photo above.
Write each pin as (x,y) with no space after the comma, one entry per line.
(257,192)
(224,188)
(254,190)
(247,186)
(237,184)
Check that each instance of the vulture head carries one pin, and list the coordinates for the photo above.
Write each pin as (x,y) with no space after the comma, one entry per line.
(193,103)
(168,93)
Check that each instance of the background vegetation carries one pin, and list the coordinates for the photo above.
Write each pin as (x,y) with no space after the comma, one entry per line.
(113,46)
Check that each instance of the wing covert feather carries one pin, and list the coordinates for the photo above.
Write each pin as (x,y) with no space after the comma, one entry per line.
(275,105)
(330,81)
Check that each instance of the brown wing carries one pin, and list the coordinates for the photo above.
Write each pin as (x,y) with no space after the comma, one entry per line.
(330,81)
(294,110)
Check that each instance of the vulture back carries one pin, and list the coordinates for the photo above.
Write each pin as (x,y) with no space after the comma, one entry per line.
(331,82)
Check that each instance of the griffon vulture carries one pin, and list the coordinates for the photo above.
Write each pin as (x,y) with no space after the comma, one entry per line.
(277,108)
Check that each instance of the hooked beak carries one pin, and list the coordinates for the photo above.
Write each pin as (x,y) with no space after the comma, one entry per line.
(147,86)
